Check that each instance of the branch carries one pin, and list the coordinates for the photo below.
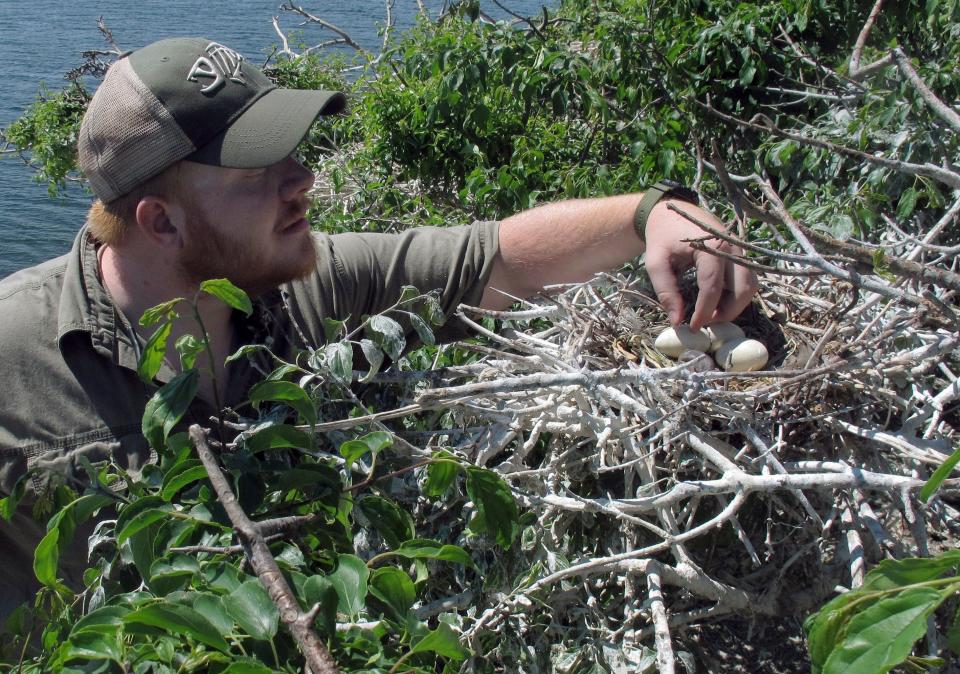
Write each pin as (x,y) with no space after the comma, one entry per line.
(938,106)
(290,7)
(928,170)
(862,39)
(264,565)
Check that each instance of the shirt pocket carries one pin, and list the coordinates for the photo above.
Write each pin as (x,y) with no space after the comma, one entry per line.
(58,461)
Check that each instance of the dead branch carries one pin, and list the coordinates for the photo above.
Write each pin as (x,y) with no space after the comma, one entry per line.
(255,548)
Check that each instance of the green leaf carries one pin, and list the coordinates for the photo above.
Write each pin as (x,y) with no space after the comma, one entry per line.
(60,530)
(229,294)
(247,666)
(153,352)
(442,641)
(168,405)
(211,607)
(180,476)
(46,559)
(172,572)
(374,356)
(285,392)
(395,589)
(388,334)
(189,347)
(895,573)
(432,311)
(408,293)
(907,203)
(279,436)
(319,590)
(332,328)
(161,312)
(373,443)
(178,619)
(104,619)
(96,646)
(939,475)
(339,358)
(252,608)
(440,475)
(495,505)
(882,636)
(425,548)
(350,581)
(423,330)
(142,520)
(390,520)
(8,505)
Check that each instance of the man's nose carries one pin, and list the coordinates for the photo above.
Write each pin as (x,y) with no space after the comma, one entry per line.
(298,178)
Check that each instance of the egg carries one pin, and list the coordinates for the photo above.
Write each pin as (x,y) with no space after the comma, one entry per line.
(742,355)
(722,332)
(674,341)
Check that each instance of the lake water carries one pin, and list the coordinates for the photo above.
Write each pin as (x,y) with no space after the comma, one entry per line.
(43,40)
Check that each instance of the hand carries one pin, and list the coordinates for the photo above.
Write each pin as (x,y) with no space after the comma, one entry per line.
(725,289)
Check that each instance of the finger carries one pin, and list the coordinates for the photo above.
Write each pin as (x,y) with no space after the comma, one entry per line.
(742,286)
(664,280)
(710,282)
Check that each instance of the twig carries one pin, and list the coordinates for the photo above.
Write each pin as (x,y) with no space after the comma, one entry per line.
(300,624)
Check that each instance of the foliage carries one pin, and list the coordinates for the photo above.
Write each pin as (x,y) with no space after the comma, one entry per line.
(166,592)
(48,132)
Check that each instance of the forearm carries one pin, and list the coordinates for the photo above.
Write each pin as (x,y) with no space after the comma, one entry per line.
(563,242)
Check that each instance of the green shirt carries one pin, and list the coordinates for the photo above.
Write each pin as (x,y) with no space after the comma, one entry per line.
(69,356)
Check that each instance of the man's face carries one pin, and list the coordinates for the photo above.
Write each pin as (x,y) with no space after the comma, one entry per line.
(246,225)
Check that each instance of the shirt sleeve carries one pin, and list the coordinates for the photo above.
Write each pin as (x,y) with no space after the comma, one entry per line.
(360,274)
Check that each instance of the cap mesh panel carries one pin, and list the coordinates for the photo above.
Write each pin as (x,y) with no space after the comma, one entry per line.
(127,135)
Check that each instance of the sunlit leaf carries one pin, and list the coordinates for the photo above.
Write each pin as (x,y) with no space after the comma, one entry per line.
(178,619)
(339,359)
(153,352)
(161,312)
(253,610)
(349,579)
(388,334)
(395,589)
(284,392)
(371,443)
(442,641)
(882,636)
(374,356)
(229,294)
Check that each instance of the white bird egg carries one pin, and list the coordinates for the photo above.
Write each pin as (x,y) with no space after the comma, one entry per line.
(674,341)
(742,355)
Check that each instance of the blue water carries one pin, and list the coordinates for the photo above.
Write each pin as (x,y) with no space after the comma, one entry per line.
(43,40)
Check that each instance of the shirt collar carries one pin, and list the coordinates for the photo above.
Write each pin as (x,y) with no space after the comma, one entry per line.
(85,304)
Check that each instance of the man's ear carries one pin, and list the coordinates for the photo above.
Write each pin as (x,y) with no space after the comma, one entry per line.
(160,221)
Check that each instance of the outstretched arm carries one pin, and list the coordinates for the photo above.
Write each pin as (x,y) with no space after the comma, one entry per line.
(570,241)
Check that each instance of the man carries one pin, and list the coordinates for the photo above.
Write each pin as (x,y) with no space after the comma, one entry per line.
(188,149)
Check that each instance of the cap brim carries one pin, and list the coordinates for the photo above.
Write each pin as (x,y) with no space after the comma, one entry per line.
(270,129)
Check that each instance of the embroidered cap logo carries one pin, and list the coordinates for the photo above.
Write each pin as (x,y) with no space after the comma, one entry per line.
(220,63)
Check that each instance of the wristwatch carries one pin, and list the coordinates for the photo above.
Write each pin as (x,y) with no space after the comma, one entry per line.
(664,188)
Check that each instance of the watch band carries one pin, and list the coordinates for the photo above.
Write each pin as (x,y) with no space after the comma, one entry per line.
(664,188)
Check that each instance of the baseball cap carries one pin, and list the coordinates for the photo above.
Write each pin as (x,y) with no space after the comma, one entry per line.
(195,99)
